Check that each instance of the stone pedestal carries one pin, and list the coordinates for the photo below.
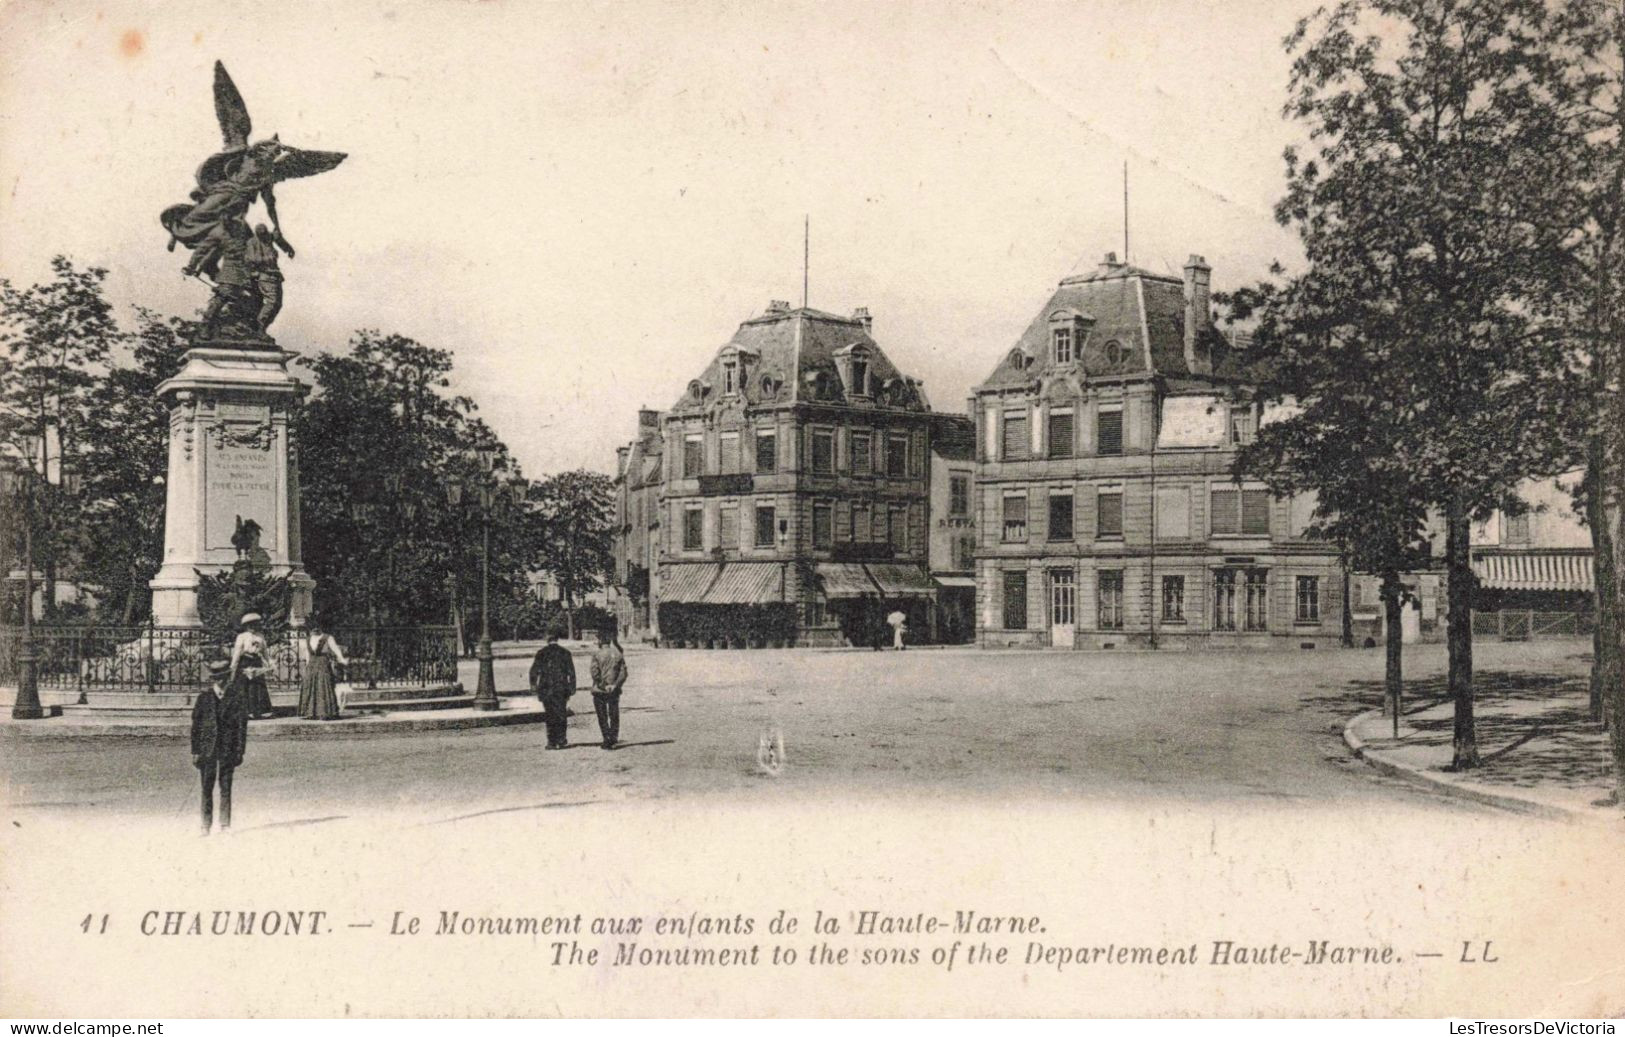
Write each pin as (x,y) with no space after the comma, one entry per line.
(231,461)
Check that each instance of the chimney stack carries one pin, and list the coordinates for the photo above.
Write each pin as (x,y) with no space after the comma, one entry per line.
(1198,315)
(648,420)
(861,315)
(620,461)
(778,306)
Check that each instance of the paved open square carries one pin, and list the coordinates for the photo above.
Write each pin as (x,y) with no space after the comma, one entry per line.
(1179,728)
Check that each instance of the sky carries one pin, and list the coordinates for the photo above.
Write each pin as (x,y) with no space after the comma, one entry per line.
(584,200)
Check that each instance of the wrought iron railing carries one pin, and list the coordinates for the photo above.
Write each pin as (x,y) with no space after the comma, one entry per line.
(158,658)
(399,656)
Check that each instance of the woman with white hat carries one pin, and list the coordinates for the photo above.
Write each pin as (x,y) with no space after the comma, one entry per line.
(248,666)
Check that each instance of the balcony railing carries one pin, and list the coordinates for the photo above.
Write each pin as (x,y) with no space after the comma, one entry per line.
(156,658)
(726,485)
(852,551)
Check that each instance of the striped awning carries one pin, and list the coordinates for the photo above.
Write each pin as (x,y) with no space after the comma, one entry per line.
(955,581)
(1535,571)
(688,583)
(747,583)
(902,581)
(844,580)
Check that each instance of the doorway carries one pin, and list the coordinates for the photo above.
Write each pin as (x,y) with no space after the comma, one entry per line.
(1063,608)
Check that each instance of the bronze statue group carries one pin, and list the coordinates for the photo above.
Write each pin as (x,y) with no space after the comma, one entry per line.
(240,264)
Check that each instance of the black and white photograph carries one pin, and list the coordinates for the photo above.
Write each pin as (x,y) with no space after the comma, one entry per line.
(812,510)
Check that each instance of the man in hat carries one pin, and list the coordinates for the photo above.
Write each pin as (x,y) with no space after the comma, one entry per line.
(219,735)
(553,679)
(608,675)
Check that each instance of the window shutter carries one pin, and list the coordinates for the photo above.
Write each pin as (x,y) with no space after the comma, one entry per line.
(1110,439)
(1255,511)
(729,527)
(1226,512)
(1109,514)
(1015,436)
(1060,434)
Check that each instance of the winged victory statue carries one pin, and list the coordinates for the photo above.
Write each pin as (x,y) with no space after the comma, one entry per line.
(239,263)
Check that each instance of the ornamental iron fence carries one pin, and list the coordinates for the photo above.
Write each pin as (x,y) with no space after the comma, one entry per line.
(78,658)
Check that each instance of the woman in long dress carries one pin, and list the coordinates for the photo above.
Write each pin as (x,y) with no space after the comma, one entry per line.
(249,667)
(317,698)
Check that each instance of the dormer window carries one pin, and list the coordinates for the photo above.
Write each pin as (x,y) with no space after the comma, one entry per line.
(853,362)
(1068,328)
(735,363)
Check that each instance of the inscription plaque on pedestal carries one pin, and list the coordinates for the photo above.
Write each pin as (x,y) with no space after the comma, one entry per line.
(240,483)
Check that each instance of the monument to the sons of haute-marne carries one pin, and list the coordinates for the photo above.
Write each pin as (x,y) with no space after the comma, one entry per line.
(233,487)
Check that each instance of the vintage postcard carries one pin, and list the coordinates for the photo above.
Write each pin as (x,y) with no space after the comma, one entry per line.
(811,509)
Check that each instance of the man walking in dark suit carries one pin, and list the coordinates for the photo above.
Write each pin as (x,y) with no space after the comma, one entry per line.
(553,678)
(219,736)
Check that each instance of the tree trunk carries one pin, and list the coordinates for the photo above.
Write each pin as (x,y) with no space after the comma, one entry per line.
(1393,600)
(1607,668)
(130,593)
(457,623)
(48,605)
(1348,605)
(1612,512)
(1459,573)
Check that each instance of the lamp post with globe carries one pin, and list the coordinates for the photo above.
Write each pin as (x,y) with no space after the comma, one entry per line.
(490,493)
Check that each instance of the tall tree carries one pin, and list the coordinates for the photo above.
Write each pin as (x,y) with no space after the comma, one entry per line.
(380,443)
(125,458)
(1430,196)
(55,337)
(1590,41)
(1337,435)
(577,510)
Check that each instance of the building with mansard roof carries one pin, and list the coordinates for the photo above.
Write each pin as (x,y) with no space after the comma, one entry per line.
(794,494)
(1106,512)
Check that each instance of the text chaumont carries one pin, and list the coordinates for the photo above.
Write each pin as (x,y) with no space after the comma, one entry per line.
(235,923)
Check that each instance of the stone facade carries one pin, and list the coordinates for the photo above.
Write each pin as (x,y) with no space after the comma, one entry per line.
(795,476)
(636,585)
(1105,510)
(953,527)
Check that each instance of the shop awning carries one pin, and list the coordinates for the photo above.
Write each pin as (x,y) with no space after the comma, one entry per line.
(844,580)
(898,580)
(955,581)
(747,583)
(1535,571)
(688,583)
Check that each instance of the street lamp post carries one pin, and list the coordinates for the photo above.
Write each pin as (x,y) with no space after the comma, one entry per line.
(490,494)
(27,706)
